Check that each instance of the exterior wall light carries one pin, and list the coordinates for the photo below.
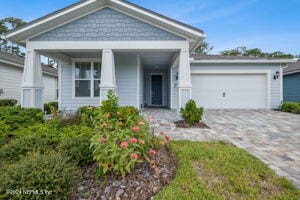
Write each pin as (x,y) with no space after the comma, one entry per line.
(276,76)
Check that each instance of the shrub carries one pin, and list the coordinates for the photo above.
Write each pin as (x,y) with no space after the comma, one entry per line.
(50,107)
(77,150)
(4,133)
(16,117)
(87,114)
(292,107)
(123,138)
(53,131)
(8,102)
(191,113)
(111,105)
(19,147)
(74,119)
(39,172)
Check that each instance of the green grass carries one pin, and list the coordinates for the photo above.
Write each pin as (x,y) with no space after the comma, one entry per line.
(216,170)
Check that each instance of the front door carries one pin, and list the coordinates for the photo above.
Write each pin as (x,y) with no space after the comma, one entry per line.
(156,90)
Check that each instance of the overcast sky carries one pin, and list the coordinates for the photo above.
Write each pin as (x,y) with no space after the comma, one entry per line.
(267,24)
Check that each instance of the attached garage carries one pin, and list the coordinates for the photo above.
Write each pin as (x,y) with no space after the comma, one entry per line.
(236,82)
(230,91)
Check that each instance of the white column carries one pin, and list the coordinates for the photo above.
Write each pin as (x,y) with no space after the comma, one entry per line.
(32,85)
(108,77)
(184,78)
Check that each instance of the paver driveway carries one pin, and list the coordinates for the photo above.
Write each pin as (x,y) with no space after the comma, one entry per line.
(272,136)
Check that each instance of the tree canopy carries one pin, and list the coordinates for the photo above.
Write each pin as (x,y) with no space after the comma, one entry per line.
(256,52)
(7,24)
(203,48)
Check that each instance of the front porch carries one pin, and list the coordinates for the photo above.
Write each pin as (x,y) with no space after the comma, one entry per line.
(155,76)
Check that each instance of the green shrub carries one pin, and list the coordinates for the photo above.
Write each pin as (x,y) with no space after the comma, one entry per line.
(87,114)
(191,113)
(16,117)
(111,105)
(77,150)
(4,133)
(70,120)
(53,131)
(8,102)
(39,172)
(123,138)
(292,107)
(19,147)
(50,107)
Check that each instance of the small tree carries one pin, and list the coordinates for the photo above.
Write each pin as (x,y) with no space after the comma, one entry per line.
(191,113)
(203,48)
(111,105)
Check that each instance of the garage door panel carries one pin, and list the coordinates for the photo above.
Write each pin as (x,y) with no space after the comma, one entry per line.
(230,91)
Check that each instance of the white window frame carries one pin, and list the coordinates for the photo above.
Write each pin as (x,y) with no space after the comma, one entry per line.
(92,61)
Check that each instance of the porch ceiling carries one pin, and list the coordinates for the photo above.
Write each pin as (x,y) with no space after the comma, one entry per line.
(156,60)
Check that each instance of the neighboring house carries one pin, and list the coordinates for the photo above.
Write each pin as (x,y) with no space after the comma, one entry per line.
(144,56)
(11,75)
(291,82)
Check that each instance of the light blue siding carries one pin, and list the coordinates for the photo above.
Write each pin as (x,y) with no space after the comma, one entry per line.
(291,87)
(275,97)
(108,25)
(67,101)
(126,78)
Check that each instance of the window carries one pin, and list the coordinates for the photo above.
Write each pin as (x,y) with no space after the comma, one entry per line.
(87,79)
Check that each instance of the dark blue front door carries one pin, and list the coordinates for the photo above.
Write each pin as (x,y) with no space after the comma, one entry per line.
(156,90)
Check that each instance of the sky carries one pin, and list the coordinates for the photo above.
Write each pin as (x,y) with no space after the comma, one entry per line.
(271,25)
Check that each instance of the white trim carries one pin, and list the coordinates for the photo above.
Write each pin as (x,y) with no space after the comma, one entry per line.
(266,72)
(170,87)
(243,61)
(164,20)
(116,45)
(138,81)
(281,84)
(91,60)
(117,2)
(162,74)
(59,86)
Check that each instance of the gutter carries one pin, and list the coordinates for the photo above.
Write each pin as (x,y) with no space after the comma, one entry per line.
(237,61)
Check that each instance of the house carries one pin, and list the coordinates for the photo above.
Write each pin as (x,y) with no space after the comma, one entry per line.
(11,75)
(142,55)
(291,82)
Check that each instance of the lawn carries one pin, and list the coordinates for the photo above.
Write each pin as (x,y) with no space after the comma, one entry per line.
(216,170)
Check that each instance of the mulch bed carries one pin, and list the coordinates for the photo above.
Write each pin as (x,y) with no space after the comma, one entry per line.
(184,124)
(143,183)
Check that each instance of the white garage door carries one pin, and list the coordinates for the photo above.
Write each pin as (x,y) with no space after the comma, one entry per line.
(230,91)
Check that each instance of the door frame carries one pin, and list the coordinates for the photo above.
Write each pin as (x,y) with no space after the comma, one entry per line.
(267,74)
(162,85)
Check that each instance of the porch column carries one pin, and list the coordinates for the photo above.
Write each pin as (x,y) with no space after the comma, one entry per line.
(32,85)
(108,77)
(184,78)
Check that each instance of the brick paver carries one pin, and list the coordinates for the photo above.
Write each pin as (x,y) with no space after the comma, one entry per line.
(272,136)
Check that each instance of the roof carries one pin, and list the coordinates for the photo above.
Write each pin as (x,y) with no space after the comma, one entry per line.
(19,61)
(292,68)
(200,58)
(84,7)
